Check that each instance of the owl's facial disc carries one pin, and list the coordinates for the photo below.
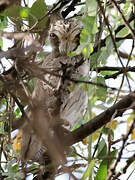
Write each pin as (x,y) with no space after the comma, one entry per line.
(64,37)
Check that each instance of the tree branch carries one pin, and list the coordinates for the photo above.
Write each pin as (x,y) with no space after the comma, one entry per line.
(100,120)
(108,68)
(70,8)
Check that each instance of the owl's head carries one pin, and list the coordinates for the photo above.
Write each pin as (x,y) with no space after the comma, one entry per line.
(64,36)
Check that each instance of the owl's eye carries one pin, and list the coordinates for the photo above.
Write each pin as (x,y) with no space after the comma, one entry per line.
(52,35)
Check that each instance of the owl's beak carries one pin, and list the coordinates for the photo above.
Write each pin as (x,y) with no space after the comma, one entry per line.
(63,52)
(63,48)
(66,47)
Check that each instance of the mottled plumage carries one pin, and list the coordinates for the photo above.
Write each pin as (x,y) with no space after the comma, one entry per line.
(64,37)
(63,105)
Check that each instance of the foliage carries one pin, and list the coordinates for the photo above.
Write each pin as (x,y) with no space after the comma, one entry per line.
(106,26)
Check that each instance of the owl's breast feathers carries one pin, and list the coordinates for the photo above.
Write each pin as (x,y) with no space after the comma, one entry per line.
(72,101)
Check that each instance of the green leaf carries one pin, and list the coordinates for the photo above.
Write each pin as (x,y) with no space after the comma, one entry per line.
(92,7)
(122,33)
(102,171)
(1,42)
(13,13)
(17,14)
(87,51)
(13,171)
(17,113)
(24,12)
(3,23)
(101,92)
(84,120)
(86,37)
(130,77)
(125,31)
(94,59)
(102,149)
(113,155)
(89,170)
(89,24)
(100,58)
(106,130)
(104,73)
(108,50)
(38,10)
(15,167)
(85,45)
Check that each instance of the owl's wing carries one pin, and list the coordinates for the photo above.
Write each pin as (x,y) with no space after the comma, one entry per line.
(73,108)
(75,103)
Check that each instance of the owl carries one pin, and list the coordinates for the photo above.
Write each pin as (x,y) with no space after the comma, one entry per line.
(64,101)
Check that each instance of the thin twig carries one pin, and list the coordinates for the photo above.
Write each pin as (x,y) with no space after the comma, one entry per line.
(123,17)
(121,151)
